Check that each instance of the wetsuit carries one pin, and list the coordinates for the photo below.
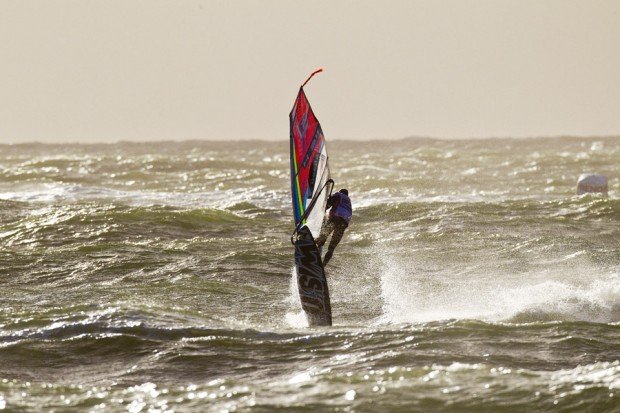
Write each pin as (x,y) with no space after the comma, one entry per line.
(336,223)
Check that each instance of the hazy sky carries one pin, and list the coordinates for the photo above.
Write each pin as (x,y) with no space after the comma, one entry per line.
(111,70)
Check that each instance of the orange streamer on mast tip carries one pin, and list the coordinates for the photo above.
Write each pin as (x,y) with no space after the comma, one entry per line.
(312,74)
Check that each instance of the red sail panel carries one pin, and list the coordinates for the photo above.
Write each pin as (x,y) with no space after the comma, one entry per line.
(306,143)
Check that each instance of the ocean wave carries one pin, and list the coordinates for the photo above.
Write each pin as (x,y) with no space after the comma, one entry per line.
(454,365)
(72,223)
(74,193)
(583,207)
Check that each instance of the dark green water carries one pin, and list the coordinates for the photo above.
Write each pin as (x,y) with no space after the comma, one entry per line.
(156,277)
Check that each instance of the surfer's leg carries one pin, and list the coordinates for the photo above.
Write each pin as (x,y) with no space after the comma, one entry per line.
(333,243)
(328,256)
(326,229)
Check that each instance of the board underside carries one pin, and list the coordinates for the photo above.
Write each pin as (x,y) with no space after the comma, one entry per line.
(311,281)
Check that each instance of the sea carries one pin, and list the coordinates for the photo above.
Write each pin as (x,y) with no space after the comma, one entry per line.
(159,276)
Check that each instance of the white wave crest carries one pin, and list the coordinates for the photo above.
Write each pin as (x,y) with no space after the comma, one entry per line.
(412,294)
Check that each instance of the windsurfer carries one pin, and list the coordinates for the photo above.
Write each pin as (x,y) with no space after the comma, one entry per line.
(336,222)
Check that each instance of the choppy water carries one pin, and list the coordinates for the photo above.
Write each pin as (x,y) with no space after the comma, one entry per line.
(157,277)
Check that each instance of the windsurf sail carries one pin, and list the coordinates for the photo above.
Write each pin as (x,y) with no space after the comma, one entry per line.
(311,186)
(311,183)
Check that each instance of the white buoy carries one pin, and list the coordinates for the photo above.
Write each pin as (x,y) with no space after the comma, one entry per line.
(592,183)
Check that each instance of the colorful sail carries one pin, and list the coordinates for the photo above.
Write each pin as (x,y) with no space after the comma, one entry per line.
(311,185)
(309,167)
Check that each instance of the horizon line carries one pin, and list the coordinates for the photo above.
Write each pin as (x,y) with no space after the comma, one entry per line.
(229,140)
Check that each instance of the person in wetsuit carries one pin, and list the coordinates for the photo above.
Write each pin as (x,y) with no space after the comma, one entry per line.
(336,222)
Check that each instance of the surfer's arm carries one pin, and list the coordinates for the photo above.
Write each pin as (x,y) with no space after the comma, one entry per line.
(332,202)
